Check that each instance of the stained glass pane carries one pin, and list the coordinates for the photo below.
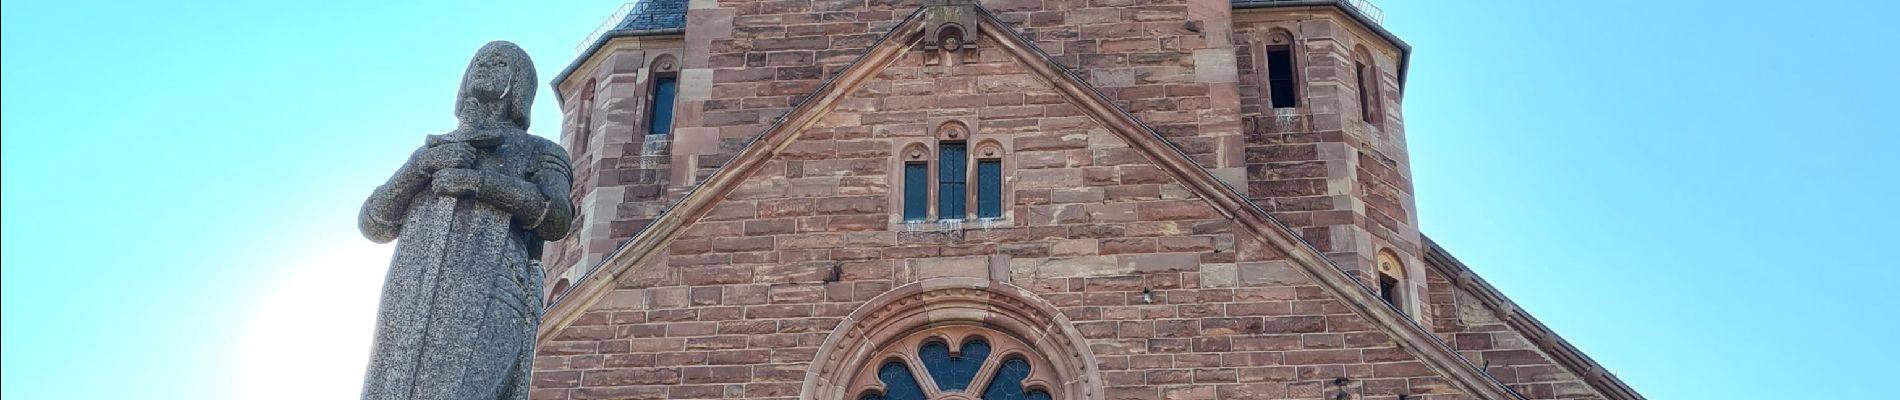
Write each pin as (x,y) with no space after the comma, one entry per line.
(951,170)
(954,373)
(661,122)
(899,384)
(916,192)
(989,188)
(1008,384)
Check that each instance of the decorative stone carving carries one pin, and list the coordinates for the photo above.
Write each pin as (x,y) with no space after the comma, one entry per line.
(950,32)
(470,211)
(953,130)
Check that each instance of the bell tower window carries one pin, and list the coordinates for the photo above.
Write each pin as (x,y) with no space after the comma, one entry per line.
(1366,75)
(1282,85)
(1392,280)
(664,88)
(660,122)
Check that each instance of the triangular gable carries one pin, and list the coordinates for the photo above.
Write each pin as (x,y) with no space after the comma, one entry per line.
(704,198)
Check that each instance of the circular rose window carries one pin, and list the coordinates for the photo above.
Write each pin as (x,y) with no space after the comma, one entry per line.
(955,362)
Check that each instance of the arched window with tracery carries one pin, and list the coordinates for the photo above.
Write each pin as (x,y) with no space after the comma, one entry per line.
(956,362)
(954,338)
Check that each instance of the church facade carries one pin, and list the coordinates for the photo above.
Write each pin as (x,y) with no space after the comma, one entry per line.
(1012,199)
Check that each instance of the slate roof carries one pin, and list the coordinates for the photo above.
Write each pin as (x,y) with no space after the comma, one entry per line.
(655,14)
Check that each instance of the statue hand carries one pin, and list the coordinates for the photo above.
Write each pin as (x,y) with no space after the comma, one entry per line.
(457,182)
(445,156)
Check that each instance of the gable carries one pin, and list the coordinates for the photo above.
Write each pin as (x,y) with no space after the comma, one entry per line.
(1489,328)
(800,227)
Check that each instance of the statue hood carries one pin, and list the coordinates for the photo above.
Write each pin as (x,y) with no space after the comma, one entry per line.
(517,75)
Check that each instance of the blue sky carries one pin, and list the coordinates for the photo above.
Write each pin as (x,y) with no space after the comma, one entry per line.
(1697,193)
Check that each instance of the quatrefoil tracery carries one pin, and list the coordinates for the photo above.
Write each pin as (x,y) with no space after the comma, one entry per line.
(981,365)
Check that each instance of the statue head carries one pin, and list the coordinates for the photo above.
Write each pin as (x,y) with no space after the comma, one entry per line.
(500,75)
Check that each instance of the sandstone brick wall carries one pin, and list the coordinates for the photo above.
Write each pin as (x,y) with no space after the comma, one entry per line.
(1480,334)
(742,298)
(1168,61)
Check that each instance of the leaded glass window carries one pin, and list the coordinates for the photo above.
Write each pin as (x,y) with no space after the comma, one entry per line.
(958,363)
(660,122)
(951,161)
(989,188)
(916,191)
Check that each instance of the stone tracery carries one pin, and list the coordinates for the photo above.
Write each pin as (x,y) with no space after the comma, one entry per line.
(954,338)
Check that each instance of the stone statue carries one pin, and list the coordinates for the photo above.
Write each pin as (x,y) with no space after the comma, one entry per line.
(469,211)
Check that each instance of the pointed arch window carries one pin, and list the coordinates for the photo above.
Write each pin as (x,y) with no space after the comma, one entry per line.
(956,362)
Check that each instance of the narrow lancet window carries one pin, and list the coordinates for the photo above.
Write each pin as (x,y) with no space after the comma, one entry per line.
(952,159)
(1365,91)
(1391,279)
(1389,289)
(989,188)
(916,191)
(660,121)
(1280,82)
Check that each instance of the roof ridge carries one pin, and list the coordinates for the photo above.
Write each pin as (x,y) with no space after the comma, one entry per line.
(1546,340)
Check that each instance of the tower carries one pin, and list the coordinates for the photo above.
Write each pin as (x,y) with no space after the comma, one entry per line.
(1321,91)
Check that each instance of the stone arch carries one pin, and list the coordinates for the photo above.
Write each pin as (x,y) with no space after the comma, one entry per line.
(953,130)
(1279,36)
(900,315)
(915,152)
(664,63)
(988,148)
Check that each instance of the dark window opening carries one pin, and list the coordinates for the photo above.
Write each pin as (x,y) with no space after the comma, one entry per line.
(1280,83)
(989,188)
(951,164)
(660,122)
(916,192)
(1389,290)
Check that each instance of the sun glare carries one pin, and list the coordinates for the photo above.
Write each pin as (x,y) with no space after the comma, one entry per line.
(308,335)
